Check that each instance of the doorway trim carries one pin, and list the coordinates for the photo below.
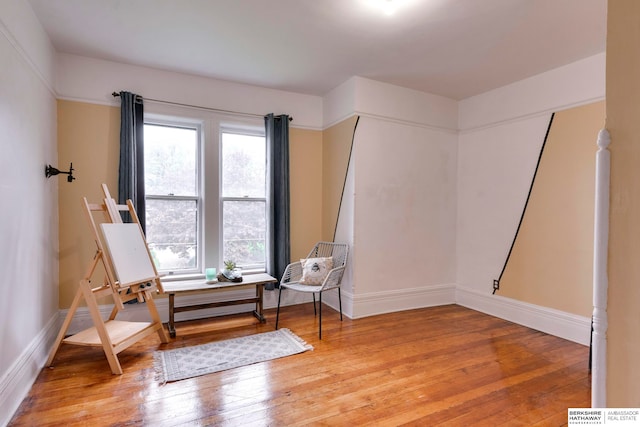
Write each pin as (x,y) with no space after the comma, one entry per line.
(600,278)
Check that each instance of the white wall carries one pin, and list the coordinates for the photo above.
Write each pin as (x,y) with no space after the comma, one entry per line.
(384,101)
(404,224)
(29,215)
(495,167)
(408,106)
(578,83)
(400,202)
(344,234)
(501,133)
(92,80)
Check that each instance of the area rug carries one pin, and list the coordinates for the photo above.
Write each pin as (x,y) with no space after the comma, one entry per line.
(188,362)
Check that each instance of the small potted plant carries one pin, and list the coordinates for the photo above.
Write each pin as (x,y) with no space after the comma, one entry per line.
(231,272)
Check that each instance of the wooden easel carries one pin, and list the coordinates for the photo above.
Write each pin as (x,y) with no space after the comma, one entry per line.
(111,334)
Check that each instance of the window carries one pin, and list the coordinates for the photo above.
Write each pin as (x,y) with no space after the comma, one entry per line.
(172,196)
(205,184)
(244,199)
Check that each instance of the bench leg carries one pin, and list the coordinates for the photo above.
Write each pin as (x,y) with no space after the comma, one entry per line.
(172,327)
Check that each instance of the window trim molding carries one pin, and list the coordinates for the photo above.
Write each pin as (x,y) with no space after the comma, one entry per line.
(239,129)
(211,126)
(186,123)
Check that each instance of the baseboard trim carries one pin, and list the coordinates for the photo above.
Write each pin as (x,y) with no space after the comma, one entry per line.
(554,322)
(330,298)
(16,383)
(371,304)
(402,299)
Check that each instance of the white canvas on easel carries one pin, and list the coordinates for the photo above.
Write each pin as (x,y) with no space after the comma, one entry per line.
(129,254)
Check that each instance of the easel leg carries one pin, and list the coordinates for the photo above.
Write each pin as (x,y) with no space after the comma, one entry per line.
(65,326)
(94,310)
(114,312)
(117,304)
(155,316)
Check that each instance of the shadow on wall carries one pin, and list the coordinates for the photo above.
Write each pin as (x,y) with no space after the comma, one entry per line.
(337,142)
(551,264)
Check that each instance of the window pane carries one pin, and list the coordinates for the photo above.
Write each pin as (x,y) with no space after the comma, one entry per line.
(170,159)
(243,165)
(244,233)
(172,232)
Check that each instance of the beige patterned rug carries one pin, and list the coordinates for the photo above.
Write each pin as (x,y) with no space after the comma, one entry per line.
(188,362)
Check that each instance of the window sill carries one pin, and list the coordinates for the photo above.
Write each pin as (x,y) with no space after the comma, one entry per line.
(198,276)
(180,277)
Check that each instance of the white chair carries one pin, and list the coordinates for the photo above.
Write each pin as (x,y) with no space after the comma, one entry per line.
(293,274)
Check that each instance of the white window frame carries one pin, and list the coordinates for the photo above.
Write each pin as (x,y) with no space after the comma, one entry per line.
(186,123)
(211,125)
(251,131)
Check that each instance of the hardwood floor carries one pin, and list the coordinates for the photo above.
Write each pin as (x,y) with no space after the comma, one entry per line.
(446,365)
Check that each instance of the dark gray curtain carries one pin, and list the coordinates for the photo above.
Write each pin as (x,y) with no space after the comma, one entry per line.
(277,137)
(131,171)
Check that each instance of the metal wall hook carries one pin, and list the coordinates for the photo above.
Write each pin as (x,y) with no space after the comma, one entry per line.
(50,171)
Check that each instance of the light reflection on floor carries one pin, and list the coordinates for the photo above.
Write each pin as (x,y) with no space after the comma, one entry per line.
(251,387)
(242,390)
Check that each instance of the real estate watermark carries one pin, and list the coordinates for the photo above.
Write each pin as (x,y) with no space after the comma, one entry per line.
(603,416)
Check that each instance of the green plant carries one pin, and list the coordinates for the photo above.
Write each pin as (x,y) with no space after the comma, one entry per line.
(229,265)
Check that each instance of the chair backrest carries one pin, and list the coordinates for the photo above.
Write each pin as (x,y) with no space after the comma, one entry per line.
(338,251)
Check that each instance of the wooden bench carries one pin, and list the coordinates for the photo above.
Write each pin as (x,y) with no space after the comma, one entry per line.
(198,286)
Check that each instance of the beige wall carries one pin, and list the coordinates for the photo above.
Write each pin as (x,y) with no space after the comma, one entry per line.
(305,167)
(89,134)
(336,148)
(552,260)
(623,123)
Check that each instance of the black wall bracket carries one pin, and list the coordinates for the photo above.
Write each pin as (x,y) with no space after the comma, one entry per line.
(50,171)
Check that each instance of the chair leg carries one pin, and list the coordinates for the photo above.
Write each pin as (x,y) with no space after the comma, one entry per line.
(340,302)
(320,317)
(315,313)
(278,309)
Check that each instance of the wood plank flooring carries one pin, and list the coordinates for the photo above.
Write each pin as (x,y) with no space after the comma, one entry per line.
(440,366)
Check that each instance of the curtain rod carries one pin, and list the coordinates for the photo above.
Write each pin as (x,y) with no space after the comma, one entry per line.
(116,94)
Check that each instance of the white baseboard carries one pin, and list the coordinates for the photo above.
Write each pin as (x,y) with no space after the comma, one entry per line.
(554,322)
(330,298)
(388,301)
(402,299)
(16,383)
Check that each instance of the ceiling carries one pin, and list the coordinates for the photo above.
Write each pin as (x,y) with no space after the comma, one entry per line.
(454,48)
